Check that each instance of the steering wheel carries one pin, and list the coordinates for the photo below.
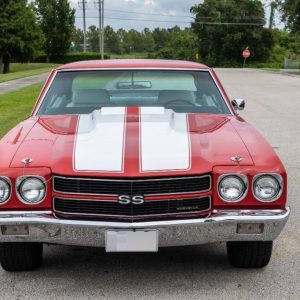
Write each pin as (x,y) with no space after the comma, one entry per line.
(179,100)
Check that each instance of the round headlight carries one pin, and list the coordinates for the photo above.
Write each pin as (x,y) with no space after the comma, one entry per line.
(32,190)
(266,188)
(232,188)
(5,190)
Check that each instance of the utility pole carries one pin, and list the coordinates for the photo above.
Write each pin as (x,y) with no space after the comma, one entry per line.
(100,4)
(102,33)
(82,4)
(272,14)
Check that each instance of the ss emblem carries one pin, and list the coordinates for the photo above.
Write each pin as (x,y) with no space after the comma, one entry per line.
(125,199)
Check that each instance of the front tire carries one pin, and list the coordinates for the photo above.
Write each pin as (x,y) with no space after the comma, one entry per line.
(21,256)
(249,254)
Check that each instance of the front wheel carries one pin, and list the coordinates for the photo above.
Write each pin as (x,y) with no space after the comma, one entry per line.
(249,254)
(21,256)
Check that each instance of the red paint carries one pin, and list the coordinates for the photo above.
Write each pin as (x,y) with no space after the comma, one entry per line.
(133,63)
(49,141)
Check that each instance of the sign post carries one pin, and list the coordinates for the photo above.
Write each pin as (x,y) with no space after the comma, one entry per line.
(246,54)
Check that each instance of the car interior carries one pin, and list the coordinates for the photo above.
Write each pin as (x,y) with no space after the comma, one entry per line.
(82,95)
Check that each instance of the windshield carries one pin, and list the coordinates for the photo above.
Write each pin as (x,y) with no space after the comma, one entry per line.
(81,92)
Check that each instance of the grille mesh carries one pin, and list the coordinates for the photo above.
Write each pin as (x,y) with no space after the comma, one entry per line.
(157,186)
(148,208)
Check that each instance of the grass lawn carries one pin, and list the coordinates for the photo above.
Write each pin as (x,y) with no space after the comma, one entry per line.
(16,106)
(24,70)
(128,56)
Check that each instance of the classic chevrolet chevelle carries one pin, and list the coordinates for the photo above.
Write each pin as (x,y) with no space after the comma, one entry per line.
(135,155)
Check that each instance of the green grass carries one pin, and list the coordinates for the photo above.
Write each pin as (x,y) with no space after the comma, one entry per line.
(24,70)
(128,56)
(16,106)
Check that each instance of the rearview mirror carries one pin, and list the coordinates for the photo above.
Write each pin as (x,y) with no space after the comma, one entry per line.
(238,104)
(126,85)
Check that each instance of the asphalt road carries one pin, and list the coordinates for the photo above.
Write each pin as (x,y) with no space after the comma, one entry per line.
(201,272)
(12,85)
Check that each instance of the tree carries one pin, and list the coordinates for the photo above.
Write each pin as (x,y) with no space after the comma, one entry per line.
(223,43)
(182,45)
(133,41)
(121,33)
(111,41)
(161,38)
(92,37)
(291,14)
(20,35)
(77,40)
(148,40)
(56,19)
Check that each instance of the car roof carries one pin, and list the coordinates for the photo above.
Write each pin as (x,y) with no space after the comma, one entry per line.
(133,63)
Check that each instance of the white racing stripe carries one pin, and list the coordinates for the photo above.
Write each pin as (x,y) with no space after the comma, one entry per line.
(99,144)
(164,140)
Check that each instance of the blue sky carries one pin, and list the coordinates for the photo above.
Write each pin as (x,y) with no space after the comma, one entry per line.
(139,14)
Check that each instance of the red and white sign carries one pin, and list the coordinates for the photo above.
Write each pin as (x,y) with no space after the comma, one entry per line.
(246,53)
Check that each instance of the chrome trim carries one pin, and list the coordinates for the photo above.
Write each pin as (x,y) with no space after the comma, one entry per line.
(36,109)
(130,217)
(131,180)
(20,180)
(220,226)
(243,177)
(7,179)
(238,104)
(214,76)
(277,177)
(26,212)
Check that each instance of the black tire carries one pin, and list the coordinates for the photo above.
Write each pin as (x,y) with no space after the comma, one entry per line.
(21,256)
(249,254)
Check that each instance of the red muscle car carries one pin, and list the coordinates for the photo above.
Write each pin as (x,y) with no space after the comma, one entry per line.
(133,155)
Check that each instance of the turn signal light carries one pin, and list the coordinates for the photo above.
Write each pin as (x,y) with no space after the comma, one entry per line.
(250,228)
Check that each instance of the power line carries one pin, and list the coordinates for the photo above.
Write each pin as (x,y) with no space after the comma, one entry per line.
(180,16)
(152,14)
(181,22)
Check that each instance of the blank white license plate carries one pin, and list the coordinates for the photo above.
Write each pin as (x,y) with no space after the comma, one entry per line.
(131,241)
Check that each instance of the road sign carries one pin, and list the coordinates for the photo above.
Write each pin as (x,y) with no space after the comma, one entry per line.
(246,53)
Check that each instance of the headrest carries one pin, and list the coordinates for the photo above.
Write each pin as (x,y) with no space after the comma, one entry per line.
(168,95)
(88,97)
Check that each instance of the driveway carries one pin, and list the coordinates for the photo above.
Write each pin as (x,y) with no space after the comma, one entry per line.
(22,82)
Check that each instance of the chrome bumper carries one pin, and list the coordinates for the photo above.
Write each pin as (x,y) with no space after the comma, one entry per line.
(220,226)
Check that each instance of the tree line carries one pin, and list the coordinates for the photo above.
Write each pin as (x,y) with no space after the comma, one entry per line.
(124,41)
(219,32)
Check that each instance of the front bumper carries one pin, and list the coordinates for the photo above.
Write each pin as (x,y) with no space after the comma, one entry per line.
(220,226)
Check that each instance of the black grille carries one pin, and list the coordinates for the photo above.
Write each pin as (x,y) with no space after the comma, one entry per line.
(115,209)
(157,186)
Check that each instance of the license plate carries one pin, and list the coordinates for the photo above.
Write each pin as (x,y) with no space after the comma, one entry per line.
(131,241)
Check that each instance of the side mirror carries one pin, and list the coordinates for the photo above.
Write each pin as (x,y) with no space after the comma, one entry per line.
(238,104)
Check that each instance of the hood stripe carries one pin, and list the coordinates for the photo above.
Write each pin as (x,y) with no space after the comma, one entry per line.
(100,141)
(122,140)
(164,140)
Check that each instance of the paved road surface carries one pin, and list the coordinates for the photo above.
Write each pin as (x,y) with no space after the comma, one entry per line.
(22,82)
(201,272)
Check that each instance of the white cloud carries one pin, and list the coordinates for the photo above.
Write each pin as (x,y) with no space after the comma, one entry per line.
(137,14)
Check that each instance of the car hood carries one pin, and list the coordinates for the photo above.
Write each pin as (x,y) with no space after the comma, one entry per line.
(130,142)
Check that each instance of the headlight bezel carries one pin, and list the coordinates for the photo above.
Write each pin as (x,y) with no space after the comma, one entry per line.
(8,181)
(279,180)
(20,181)
(244,180)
